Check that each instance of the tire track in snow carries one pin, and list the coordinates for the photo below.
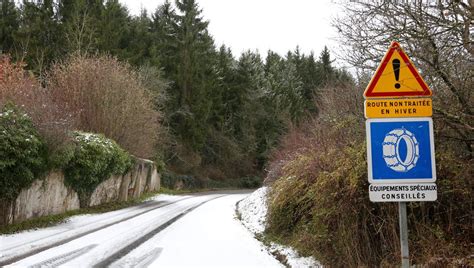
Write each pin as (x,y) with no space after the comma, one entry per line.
(127,249)
(141,261)
(61,259)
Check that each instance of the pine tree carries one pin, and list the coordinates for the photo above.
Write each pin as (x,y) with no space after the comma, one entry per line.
(138,50)
(311,82)
(9,23)
(327,71)
(195,47)
(246,101)
(286,85)
(163,49)
(39,36)
(195,75)
(292,91)
(226,83)
(114,29)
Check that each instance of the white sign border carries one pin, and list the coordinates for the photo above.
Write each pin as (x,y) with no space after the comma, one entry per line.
(369,150)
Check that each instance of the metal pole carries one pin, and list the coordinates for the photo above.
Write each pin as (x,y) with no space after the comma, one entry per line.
(402,215)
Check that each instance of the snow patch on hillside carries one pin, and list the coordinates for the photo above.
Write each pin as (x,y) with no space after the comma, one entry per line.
(293,259)
(253,211)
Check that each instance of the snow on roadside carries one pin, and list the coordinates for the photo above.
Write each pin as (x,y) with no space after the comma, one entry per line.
(253,212)
(293,259)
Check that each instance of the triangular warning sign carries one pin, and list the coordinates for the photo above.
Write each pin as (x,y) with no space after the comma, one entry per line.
(396,77)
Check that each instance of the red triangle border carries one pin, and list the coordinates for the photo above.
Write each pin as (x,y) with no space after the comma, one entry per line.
(395,45)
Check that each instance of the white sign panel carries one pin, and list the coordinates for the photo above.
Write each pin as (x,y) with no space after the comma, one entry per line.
(403,192)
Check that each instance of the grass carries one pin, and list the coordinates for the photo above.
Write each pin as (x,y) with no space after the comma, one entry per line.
(164,190)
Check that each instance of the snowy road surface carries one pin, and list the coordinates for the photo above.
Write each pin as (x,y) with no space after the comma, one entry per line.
(168,231)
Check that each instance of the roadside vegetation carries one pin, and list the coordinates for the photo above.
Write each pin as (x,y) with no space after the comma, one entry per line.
(319,199)
(92,159)
(21,151)
(188,182)
(40,123)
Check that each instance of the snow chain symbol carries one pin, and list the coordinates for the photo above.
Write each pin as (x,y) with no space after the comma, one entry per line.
(391,150)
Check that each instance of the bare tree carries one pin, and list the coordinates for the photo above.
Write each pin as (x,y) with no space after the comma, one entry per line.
(80,32)
(437,35)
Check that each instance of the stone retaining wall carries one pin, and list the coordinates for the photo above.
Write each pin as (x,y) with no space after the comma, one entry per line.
(50,195)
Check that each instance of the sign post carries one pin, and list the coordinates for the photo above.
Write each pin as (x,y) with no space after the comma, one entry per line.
(400,142)
(402,215)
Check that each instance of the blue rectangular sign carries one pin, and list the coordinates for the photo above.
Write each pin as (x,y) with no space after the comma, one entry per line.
(400,150)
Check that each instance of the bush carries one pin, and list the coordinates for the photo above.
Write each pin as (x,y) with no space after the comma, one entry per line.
(250,182)
(320,205)
(22,152)
(107,96)
(174,181)
(25,91)
(94,159)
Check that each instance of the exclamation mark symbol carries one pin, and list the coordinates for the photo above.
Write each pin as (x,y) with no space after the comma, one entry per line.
(396,70)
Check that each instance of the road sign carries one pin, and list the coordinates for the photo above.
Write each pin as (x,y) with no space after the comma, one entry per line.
(400,150)
(390,108)
(403,192)
(396,77)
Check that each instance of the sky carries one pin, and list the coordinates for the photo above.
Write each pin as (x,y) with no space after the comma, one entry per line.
(278,25)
